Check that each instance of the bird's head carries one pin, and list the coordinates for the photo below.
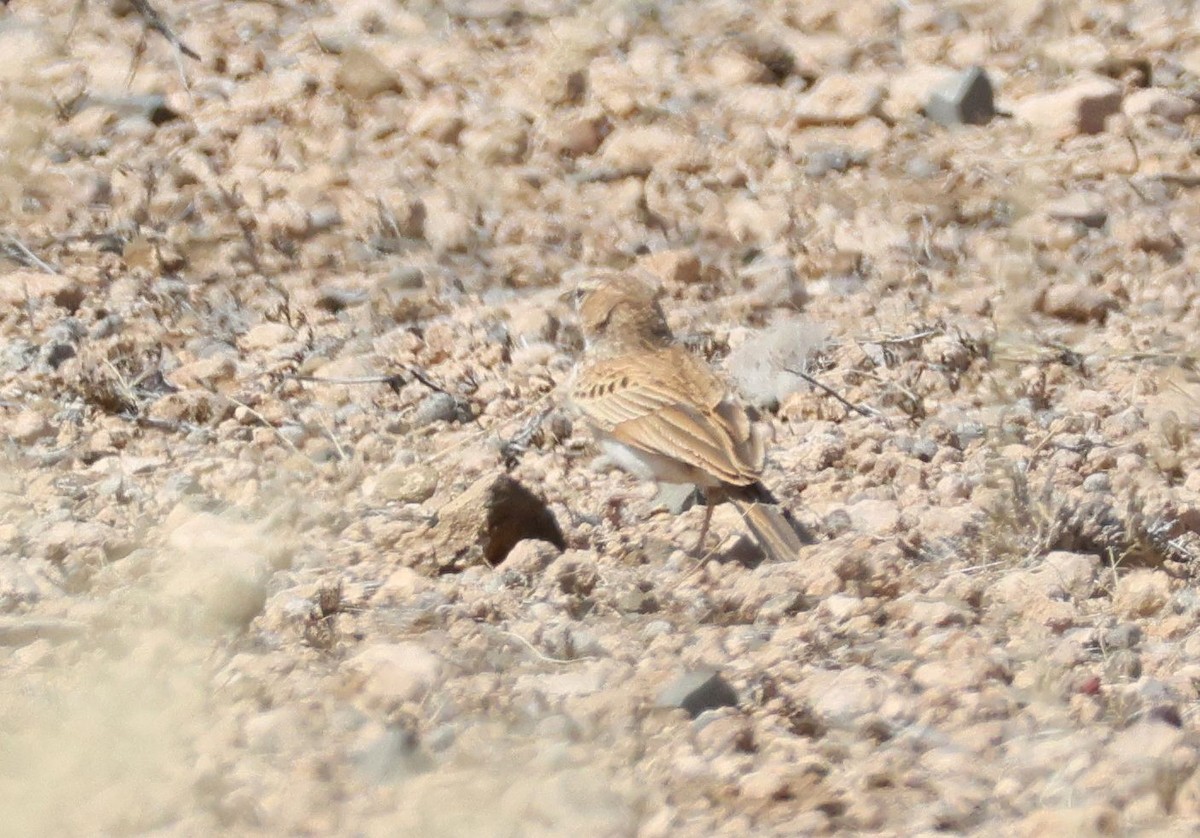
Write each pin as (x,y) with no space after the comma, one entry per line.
(619,310)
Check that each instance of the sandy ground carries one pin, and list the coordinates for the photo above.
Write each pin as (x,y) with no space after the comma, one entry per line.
(275,316)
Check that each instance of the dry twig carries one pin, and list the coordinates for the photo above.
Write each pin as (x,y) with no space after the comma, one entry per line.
(155,22)
(394,381)
(539,654)
(262,419)
(17,250)
(869,412)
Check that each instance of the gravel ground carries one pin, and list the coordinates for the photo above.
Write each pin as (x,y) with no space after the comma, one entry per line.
(286,323)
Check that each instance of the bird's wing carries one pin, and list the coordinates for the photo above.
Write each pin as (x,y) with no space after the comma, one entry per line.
(668,403)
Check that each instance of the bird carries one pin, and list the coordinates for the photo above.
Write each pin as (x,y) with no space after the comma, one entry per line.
(660,412)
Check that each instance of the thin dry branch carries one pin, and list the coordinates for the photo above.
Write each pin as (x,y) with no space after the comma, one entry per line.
(262,419)
(233,201)
(869,412)
(541,655)
(17,250)
(155,22)
(394,381)
(900,340)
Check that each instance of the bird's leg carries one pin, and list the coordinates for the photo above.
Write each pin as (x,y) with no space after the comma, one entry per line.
(712,496)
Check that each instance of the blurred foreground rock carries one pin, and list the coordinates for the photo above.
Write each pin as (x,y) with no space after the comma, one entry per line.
(698,691)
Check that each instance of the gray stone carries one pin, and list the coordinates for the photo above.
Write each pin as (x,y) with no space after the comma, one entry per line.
(656,628)
(1186,601)
(637,602)
(55,353)
(439,407)
(395,753)
(407,484)
(441,738)
(826,160)
(396,671)
(1123,665)
(968,432)
(1123,636)
(965,99)
(407,277)
(334,300)
(152,107)
(698,691)
(1081,208)
(924,449)
(1167,714)
(921,167)
(677,497)
(20,631)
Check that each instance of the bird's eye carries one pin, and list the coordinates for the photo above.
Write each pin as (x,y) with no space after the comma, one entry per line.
(572,297)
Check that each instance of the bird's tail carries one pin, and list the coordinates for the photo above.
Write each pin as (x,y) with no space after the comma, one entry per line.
(778,535)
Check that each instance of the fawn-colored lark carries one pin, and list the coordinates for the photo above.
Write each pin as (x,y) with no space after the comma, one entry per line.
(660,412)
